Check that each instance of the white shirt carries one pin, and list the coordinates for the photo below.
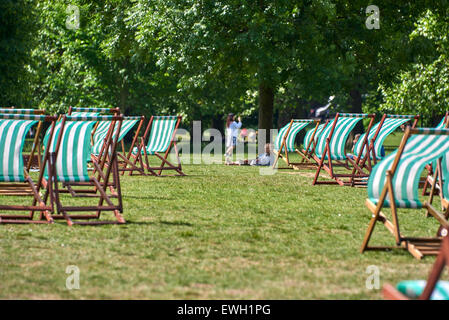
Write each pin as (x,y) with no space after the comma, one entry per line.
(233,129)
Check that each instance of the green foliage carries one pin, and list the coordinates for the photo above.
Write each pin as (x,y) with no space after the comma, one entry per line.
(424,86)
(203,59)
(17,25)
(98,64)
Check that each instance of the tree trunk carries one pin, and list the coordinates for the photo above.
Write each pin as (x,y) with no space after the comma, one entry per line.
(266,102)
(123,103)
(356,107)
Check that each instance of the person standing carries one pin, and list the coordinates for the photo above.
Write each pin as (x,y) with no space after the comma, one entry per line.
(232,130)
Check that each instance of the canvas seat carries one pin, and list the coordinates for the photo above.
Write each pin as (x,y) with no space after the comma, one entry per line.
(424,290)
(285,141)
(160,131)
(394,183)
(69,172)
(15,179)
(34,157)
(331,146)
(430,167)
(376,137)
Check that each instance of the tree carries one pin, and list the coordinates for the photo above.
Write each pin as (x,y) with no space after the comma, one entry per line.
(424,86)
(17,24)
(241,46)
(97,64)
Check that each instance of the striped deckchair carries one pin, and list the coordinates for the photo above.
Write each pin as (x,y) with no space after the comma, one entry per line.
(102,131)
(376,137)
(431,289)
(285,141)
(161,131)
(429,181)
(68,171)
(14,177)
(394,183)
(94,111)
(32,159)
(444,122)
(331,146)
(311,139)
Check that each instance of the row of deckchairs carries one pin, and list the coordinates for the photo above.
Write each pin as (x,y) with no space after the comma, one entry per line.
(160,134)
(324,145)
(63,169)
(73,145)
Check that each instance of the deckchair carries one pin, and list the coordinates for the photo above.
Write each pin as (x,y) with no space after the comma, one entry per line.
(32,156)
(94,111)
(100,131)
(443,124)
(161,131)
(432,289)
(285,141)
(376,137)
(101,134)
(310,141)
(15,179)
(394,183)
(331,146)
(68,170)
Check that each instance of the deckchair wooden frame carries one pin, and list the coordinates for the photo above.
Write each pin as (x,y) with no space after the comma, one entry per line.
(308,153)
(29,188)
(284,156)
(123,155)
(99,183)
(338,178)
(113,111)
(417,246)
(141,163)
(442,260)
(369,160)
(429,182)
(36,141)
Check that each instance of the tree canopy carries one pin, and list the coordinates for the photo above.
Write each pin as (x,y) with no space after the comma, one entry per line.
(203,58)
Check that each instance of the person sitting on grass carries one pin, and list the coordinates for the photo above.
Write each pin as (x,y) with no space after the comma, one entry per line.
(264,159)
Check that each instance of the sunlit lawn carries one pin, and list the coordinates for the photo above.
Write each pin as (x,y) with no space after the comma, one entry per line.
(222,232)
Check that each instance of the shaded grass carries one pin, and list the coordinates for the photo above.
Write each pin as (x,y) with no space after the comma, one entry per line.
(222,232)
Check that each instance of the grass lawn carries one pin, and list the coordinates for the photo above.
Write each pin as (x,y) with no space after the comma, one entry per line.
(222,232)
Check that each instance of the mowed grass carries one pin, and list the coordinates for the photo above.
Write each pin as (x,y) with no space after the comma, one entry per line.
(222,232)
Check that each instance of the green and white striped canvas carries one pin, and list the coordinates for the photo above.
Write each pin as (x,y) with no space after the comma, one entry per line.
(161,134)
(441,125)
(297,126)
(17,111)
(345,123)
(308,137)
(75,149)
(419,151)
(90,110)
(390,124)
(12,139)
(75,114)
(102,131)
(88,114)
(414,288)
